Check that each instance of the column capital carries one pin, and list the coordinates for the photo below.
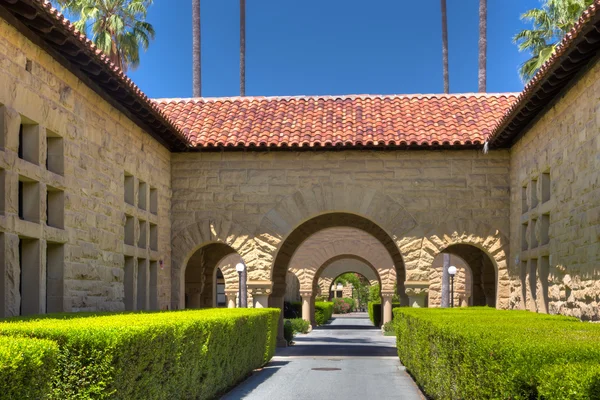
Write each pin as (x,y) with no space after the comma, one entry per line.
(386,295)
(416,288)
(231,292)
(306,293)
(257,288)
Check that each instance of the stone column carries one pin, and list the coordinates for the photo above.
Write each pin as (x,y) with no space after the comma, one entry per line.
(260,291)
(277,302)
(416,292)
(306,303)
(230,297)
(387,306)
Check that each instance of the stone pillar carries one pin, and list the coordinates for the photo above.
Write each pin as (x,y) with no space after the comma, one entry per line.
(260,291)
(387,306)
(416,292)
(277,302)
(11,275)
(306,303)
(230,297)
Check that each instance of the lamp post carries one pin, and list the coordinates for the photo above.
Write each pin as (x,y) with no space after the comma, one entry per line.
(452,271)
(243,298)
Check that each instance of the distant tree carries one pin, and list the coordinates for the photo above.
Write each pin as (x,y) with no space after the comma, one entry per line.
(118,27)
(196,49)
(360,286)
(445,47)
(550,23)
(242,48)
(482,46)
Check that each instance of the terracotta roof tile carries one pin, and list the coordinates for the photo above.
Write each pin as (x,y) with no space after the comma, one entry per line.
(346,121)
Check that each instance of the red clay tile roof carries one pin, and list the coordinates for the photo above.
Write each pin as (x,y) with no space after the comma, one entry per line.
(572,54)
(347,121)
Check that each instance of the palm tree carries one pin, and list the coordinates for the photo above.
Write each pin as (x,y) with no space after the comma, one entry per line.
(242,47)
(118,27)
(445,47)
(482,45)
(196,49)
(550,24)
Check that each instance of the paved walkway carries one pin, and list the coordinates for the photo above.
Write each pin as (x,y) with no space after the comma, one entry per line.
(346,359)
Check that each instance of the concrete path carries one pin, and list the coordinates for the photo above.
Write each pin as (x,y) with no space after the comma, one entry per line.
(346,359)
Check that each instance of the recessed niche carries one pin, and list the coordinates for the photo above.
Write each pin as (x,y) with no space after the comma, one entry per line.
(153,285)
(55,208)
(130,284)
(524,244)
(142,195)
(129,230)
(29,143)
(533,241)
(3,191)
(142,284)
(29,200)
(129,184)
(534,197)
(55,154)
(533,280)
(523,274)
(544,273)
(142,238)
(524,207)
(545,229)
(545,187)
(30,281)
(153,237)
(153,201)
(55,263)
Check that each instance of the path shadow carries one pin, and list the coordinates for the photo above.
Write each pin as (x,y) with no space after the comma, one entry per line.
(254,380)
(346,327)
(346,350)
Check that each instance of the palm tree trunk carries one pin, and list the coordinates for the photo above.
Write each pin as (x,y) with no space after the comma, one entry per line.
(196,49)
(482,45)
(242,47)
(445,47)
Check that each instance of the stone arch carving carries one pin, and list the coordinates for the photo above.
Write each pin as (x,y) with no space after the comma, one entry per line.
(462,281)
(227,267)
(486,238)
(318,200)
(328,244)
(187,241)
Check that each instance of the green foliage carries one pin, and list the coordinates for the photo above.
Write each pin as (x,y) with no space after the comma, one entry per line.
(26,367)
(343,306)
(375,311)
(288,331)
(484,353)
(323,312)
(550,23)
(374,293)
(177,354)
(118,27)
(389,329)
(360,287)
(299,325)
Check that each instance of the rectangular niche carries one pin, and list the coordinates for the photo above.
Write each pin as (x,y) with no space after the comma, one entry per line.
(153,285)
(153,237)
(142,195)
(31,276)
(153,201)
(129,184)
(534,197)
(523,274)
(142,284)
(524,207)
(55,208)
(129,284)
(142,239)
(524,244)
(129,230)
(544,277)
(29,200)
(545,229)
(533,265)
(533,240)
(3,191)
(545,187)
(55,159)
(55,266)
(29,143)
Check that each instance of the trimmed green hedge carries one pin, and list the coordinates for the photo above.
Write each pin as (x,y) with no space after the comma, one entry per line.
(299,325)
(323,311)
(27,367)
(484,353)
(177,354)
(375,312)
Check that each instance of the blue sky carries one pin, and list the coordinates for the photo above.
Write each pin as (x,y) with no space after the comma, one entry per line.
(330,47)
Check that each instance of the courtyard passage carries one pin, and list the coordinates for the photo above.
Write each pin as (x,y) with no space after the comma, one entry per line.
(345,359)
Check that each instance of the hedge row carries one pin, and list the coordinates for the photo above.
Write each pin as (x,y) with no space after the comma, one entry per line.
(323,311)
(375,312)
(178,354)
(483,353)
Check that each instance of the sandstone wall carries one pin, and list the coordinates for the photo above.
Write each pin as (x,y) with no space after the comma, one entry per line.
(423,200)
(555,207)
(80,248)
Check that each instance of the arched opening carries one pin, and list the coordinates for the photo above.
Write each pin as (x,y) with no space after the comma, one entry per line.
(479,273)
(463,281)
(210,275)
(292,288)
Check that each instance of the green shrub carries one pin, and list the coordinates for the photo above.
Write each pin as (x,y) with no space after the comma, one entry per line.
(288,331)
(299,325)
(343,306)
(485,353)
(375,312)
(389,329)
(26,367)
(177,354)
(323,312)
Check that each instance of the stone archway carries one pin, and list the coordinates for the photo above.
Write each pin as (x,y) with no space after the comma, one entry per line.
(463,281)
(338,267)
